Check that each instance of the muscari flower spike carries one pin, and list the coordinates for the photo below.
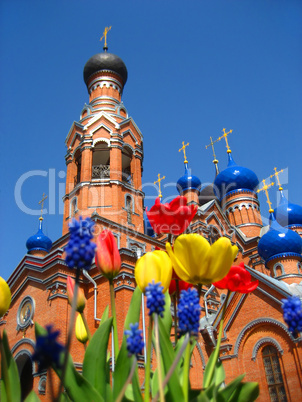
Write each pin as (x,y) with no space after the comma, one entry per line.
(292,314)
(47,349)
(80,250)
(188,312)
(155,298)
(135,343)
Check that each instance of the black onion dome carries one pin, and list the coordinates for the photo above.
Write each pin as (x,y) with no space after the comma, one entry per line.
(105,61)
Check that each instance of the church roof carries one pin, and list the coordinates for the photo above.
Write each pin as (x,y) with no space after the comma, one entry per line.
(288,214)
(234,178)
(279,241)
(188,181)
(105,62)
(39,241)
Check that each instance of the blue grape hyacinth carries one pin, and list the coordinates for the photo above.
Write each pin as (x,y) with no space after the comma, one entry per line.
(155,298)
(80,249)
(188,312)
(47,349)
(292,314)
(135,343)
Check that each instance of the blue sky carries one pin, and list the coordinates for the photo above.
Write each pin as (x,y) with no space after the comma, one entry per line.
(194,67)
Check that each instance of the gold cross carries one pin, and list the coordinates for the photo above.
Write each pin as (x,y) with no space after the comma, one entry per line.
(277,177)
(107,29)
(158,181)
(225,136)
(265,188)
(183,148)
(42,203)
(212,145)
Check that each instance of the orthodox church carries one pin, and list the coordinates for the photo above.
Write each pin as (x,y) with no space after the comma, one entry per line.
(104,161)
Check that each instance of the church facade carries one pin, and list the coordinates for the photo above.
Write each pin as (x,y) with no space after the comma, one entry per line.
(104,181)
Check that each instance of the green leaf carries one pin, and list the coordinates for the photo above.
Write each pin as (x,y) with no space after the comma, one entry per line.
(226,393)
(32,397)
(77,387)
(10,383)
(210,367)
(175,391)
(219,373)
(105,314)
(246,391)
(95,360)
(123,363)
(167,317)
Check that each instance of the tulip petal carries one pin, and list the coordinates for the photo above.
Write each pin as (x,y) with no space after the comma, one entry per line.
(220,259)
(5,297)
(191,250)
(180,270)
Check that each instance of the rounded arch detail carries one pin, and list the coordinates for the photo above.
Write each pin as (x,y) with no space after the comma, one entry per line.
(265,341)
(254,323)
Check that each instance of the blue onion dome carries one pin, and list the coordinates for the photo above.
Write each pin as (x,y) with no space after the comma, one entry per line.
(234,178)
(105,62)
(39,241)
(279,242)
(148,230)
(188,181)
(288,214)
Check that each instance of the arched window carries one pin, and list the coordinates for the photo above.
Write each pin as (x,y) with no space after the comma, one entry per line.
(78,162)
(214,234)
(129,208)
(127,175)
(273,374)
(101,161)
(25,369)
(73,206)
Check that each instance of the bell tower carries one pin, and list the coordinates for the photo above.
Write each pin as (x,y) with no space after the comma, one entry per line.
(105,150)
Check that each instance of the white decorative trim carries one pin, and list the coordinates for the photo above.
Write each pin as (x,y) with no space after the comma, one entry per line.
(101,139)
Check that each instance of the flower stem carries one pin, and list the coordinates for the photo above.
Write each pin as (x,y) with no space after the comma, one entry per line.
(148,364)
(86,325)
(175,319)
(217,348)
(174,364)
(186,369)
(123,390)
(160,378)
(113,312)
(70,330)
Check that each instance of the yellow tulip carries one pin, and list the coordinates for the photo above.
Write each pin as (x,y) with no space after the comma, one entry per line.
(195,261)
(153,266)
(5,297)
(80,330)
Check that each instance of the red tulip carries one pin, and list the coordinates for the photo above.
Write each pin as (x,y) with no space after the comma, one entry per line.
(237,280)
(81,301)
(107,256)
(172,218)
(182,285)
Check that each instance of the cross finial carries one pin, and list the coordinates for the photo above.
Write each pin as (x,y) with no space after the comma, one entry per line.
(265,188)
(225,136)
(277,177)
(212,145)
(42,203)
(158,181)
(183,148)
(107,29)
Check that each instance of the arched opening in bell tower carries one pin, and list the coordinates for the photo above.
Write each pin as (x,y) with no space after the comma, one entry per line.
(78,162)
(127,175)
(101,161)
